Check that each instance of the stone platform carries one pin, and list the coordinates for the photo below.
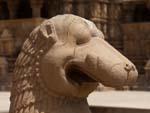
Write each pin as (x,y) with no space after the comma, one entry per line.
(105,102)
(120,102)
(4,102)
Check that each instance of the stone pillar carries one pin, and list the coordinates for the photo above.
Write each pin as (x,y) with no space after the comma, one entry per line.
(1,9)
(3,73)
(12,7)
(36,6)
(80,5)
(128,12)
(115,36)
(148,4)
(6,43)
(68,6)
(147,66)
(99,14)
(95,13)
(3,66)
(147,73)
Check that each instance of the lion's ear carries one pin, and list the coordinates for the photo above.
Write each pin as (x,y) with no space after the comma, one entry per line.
(47,30)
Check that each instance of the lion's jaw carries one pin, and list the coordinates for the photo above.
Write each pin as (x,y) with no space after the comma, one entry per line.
(57,66)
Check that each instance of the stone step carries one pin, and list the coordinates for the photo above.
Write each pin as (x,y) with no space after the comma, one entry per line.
(120,102)
(105,102)
(117,110)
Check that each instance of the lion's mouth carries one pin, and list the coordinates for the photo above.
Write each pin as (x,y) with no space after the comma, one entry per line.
(75,74)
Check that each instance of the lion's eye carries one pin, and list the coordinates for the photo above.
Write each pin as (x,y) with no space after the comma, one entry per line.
(82,40)
(81,33)
(83,36)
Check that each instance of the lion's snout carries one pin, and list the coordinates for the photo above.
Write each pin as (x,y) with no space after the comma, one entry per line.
(125,73)
(111,73)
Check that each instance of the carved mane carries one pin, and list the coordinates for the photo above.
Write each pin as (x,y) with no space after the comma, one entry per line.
(28,91)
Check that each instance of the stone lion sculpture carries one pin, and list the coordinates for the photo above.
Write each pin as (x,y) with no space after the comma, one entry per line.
(61,62)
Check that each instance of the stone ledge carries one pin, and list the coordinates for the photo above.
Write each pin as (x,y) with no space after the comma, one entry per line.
(120,99)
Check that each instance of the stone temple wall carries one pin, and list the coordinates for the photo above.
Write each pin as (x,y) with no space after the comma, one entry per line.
(12,35)
(136,40)
(112,17)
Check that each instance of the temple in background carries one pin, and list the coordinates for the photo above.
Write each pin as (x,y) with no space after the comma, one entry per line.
(125,24)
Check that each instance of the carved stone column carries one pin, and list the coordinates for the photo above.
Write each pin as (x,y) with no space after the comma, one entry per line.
(95,12)
(1,9)
(147,66)
(147,73)
(12,7)
(148,4)
(99,14)
(6,43)
(114,18)
(68,6)
(128,12)
(3,73)
(36,6)
(80,5)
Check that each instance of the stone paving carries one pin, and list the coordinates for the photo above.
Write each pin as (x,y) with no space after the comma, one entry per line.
(114,99)
(121,99)
(4,102)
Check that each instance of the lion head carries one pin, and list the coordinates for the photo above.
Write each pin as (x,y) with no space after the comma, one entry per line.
(65,57)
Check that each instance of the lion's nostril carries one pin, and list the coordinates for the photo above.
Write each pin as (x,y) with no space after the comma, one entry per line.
(129,67)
